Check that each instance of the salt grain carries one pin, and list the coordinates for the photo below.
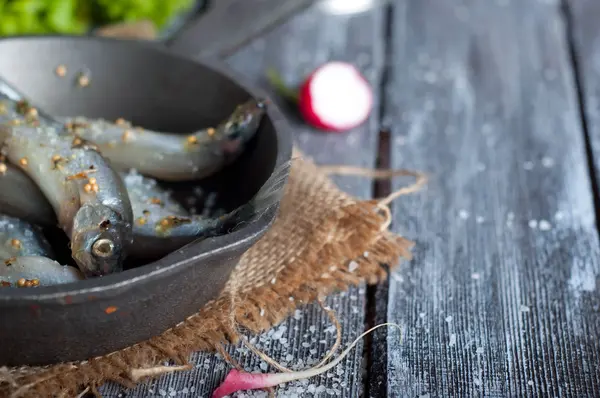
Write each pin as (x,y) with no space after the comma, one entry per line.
(530,382)
(533,224)
(544,225)
(524,308)
(479,350)
(422,315)
(449,318)
(547,162)
(352,266)
(452,342)
(480,219)
(475,275)
(463,214)
(528,165)
(366,254)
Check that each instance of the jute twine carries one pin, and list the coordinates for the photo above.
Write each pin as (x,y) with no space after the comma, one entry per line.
(304,256)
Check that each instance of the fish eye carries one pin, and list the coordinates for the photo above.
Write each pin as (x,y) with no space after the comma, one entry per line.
(103,247)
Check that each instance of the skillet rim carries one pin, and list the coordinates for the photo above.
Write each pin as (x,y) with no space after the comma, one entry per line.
(120,282)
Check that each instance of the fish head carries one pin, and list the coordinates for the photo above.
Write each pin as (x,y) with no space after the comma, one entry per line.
(243,123)
(99,240)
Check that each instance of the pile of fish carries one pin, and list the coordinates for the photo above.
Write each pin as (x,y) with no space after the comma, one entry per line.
(97,181)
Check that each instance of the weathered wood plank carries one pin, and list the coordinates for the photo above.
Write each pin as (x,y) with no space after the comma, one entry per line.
(295,48)
(502,297)
(582,18)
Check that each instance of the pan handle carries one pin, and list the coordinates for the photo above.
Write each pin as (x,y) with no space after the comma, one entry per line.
(227,25)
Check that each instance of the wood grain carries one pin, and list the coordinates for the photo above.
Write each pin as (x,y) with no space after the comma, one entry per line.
(584,31)
(308,40)
(502,297)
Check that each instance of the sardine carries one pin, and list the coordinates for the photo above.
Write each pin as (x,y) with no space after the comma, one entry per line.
(161,225)
(20,238)
(87,195)
(172,157)
(21,198)
(32,271)
(26,257)
(159,232)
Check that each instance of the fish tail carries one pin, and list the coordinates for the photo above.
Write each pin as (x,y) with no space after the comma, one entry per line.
(271,193)
(269,196)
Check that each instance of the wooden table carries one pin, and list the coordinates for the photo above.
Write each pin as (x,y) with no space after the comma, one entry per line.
(499,100)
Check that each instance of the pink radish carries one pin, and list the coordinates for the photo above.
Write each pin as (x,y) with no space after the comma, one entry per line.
(238,381)
(334,97)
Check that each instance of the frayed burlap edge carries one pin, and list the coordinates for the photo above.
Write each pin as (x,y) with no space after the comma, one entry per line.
(320,269)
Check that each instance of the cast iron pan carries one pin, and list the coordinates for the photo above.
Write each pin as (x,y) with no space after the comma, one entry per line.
(157,89)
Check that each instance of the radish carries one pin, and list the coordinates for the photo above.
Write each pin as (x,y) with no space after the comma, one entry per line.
(334,97)
(239,380)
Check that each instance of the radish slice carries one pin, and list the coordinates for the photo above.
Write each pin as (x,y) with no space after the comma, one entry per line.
(336,97)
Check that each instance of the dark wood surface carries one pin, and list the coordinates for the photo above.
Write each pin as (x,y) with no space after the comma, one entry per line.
(499,101)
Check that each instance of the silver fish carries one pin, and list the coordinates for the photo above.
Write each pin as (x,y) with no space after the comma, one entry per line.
(172,157)
(146,194)
(21,198)
(32,271)
(87,195)
(162,225)
(159,231)
(20,238)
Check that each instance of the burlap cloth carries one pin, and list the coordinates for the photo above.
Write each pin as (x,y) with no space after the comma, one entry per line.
(306,253)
